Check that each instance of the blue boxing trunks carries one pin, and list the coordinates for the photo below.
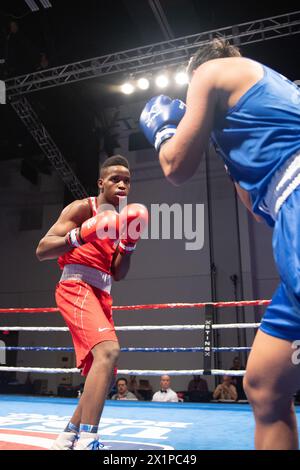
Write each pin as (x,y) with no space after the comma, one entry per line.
(282,317)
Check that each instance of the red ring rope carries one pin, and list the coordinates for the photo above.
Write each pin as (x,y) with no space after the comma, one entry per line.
(241,303)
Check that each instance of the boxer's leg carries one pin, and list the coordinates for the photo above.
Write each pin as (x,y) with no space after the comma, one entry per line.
(270,382)
(87,312)
(98,381)
(272,375)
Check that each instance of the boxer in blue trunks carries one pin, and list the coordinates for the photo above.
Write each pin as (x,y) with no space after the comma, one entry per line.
(252,114)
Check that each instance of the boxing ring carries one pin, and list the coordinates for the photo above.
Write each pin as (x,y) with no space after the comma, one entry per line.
(32,422)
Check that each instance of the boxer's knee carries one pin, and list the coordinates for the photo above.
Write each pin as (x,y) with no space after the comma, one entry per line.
(269,403)
(106,352)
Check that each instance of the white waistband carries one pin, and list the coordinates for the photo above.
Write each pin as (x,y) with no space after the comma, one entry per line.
(281,186)
(92,276)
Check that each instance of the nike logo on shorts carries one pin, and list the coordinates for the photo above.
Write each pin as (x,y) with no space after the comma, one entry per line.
(103,329)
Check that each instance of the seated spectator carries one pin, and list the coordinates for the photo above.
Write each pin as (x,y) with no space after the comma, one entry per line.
(226,390)
(122,391)
(237,381)
(198,390)
(133,387)
(165,394)
(197,383)
(145,389)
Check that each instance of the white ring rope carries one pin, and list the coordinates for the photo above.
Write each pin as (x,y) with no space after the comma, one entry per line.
(126,371)
(137,328)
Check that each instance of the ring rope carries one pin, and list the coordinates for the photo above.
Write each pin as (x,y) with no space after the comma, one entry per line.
(207,326)
(48,370)
(70,349)
(241,303)
(137,328)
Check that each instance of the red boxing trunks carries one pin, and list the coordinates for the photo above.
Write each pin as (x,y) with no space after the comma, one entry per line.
(88,315)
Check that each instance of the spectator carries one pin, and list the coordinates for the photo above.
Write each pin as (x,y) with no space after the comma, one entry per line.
(226,390)
(145,389)
(198,390)
(122,391)
(238,380)
(197,384)
(165,393)
(133,387)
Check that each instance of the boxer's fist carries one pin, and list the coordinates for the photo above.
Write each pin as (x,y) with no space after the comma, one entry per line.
(101,226)
(160,118)
(133,221)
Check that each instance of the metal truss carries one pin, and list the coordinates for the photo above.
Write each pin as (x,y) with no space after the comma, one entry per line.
(147,58)
(29,118)
(142,59)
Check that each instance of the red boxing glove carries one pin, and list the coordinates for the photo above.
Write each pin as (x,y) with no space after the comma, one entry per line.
(100,227)
(133,221)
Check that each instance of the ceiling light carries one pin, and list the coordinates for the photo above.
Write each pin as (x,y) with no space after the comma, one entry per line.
(143,83)
(181,78)
(127,88)
(162,81)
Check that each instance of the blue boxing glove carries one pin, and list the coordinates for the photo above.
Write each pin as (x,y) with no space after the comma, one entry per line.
(160,118)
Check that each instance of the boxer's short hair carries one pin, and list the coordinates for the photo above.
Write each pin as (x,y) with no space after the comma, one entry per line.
(115,160)
(216,49)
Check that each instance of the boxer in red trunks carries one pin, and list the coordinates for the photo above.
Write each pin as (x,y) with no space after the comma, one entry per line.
(92,246)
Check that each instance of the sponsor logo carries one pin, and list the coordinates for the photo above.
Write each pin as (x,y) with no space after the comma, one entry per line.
(13,439)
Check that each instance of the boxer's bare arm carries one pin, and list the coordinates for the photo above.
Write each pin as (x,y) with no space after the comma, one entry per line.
(53,244)
(120,265)
(245,198)
(181,155)
(216,86)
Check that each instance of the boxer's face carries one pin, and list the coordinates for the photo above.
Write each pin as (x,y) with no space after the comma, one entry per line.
(115,184)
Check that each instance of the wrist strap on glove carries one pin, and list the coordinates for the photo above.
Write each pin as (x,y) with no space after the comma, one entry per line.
(130,248)
(73,238)
(162,136)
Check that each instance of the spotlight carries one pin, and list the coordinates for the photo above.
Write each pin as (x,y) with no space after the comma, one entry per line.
(143,83)
(162,81)
(127,88)
(181,78)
